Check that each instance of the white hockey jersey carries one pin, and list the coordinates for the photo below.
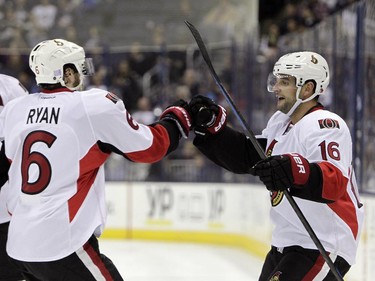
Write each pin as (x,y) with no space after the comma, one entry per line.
(322,137)
(10,88)
(55,143)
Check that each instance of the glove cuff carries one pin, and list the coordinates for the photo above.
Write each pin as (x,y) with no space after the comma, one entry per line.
(219,122)
(300,168)
(180,116)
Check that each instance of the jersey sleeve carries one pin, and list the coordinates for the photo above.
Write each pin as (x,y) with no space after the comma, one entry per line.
(10,88)
(328,144)
(118,132)
(229,149)
(4,165)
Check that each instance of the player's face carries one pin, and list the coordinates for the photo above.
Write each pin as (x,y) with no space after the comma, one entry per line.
(71,78)
(285,91)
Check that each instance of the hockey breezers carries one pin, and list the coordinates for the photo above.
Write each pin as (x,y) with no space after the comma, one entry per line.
(259,149)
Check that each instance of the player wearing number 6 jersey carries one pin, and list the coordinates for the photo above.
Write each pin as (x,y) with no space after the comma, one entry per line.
(57,142)
(10,88)
(310,154)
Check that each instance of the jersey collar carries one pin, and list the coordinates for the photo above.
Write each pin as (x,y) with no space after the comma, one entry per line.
(315,108)
(57,90)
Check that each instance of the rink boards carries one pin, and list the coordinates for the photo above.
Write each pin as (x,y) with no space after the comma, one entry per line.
(230,214)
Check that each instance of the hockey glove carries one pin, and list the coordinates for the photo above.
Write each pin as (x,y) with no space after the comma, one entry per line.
(178,112)
(281,172)
(208,117)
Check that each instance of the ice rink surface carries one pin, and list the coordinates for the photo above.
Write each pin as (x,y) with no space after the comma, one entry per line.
(166,261)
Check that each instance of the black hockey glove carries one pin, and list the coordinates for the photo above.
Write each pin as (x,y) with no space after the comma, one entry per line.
(281,172)
(178,112)
(207,116)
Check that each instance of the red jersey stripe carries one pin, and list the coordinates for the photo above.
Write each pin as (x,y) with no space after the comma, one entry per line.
(156,151)
(335,188)
(89,166)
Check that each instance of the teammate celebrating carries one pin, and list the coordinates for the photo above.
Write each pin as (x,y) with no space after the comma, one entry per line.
(310,155)
(10,88)
(57,142)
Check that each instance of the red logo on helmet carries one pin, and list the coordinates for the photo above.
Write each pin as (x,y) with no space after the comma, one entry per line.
(314,60)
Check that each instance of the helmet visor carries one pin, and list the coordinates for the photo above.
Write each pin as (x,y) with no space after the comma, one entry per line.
(280,80)
(88,67)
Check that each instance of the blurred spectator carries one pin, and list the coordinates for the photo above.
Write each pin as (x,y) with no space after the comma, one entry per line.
(8,24)
(288,19)
(140,62)
(14,64)
(35,35)
(294,16)
(268,47)
(320,9)
(158,35)
(143,113)
(43,15)
(65,12)
(125,82)
(307,17)
(186,9)
(94,40)
(21,12)
(185,163)
(190,78)
(18,39)
(70,34)
(108,14)
(98,79)
(223,20)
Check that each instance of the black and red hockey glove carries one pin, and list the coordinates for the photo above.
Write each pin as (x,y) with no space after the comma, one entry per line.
(208,117)
(281,172)
(178,112)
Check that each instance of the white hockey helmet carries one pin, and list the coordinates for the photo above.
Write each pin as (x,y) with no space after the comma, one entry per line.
(48,58)
(303,66)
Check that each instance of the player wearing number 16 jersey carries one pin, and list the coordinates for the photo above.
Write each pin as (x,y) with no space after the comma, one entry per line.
(309,153)
(57,142)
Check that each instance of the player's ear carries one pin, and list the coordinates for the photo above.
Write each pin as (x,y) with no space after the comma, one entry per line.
(307,90)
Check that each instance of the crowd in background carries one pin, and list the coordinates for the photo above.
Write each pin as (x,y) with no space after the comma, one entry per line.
(282,17)
(25,23)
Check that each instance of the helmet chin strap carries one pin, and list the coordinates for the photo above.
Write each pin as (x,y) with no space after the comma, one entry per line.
(296,104)
(299,101)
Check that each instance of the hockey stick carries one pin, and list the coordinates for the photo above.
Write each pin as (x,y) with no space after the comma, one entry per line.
(259,149)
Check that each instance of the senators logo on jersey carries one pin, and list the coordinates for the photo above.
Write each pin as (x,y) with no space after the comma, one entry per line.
(112,97)
(276,197)
(276,276)
(328,124)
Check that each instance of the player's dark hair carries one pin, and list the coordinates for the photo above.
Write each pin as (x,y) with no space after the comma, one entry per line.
(70,65)
(50,87)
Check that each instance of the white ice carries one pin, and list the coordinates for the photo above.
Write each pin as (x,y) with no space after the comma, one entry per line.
(166,261)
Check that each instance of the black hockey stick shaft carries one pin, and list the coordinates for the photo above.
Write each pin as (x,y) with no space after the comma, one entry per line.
(258,147)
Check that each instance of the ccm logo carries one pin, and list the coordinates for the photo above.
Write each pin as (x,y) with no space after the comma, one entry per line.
(222,120)
(299,163)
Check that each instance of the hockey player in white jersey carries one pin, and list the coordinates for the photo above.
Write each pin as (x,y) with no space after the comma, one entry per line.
(309,153)
(10,88)
(57,142)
